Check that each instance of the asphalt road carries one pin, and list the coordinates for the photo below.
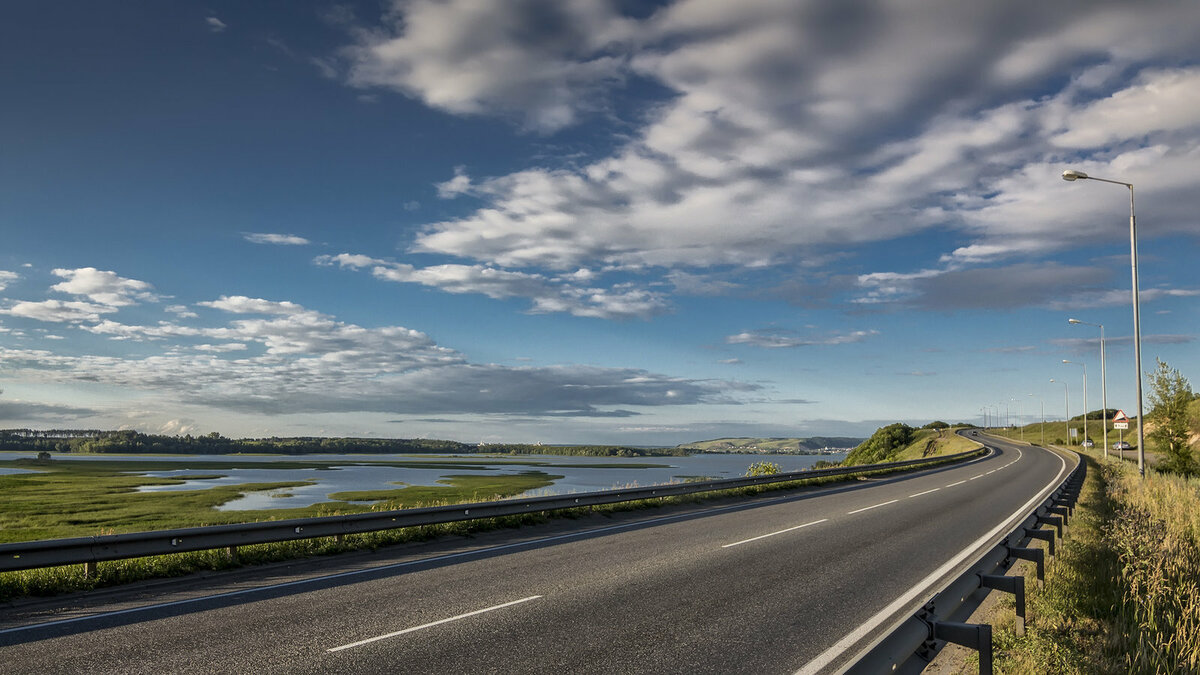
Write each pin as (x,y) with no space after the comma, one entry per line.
(772,585)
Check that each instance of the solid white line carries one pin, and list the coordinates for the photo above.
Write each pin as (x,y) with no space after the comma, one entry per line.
(850,513)
(924,493)
(958,483)
(764,536)
(872,624)
(431,624)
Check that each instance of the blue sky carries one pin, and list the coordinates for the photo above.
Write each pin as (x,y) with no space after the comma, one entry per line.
(587,221)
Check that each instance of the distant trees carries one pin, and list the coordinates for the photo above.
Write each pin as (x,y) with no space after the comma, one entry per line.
(1170,394)
(937,424)
(763,469)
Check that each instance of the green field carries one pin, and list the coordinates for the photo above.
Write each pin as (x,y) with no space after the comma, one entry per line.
(82,498)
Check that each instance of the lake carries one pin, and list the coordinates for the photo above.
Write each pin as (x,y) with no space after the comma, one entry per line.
(355,472)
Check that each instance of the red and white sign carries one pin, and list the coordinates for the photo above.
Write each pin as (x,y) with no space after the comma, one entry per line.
(1120,420)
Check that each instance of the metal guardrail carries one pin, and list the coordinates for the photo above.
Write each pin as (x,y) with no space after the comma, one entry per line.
(91,550)
(918,639)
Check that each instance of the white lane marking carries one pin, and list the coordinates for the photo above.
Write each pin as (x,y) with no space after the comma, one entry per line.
(924,493)
(991,472)
(958,483)
(974,477)
(431,624)
(850,513)
(764,536)
(872,624)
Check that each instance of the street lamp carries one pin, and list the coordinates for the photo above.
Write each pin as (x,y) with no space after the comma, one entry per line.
(1019,418)
(1067,407)
(1085,405)
(1103,379)
(1043,408)
(1073,175)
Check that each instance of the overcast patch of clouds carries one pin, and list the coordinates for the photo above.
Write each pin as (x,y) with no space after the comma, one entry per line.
(12,409)
(280,239)
(792,129)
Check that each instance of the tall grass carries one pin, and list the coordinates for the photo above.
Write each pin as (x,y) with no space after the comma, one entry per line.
(1124,596)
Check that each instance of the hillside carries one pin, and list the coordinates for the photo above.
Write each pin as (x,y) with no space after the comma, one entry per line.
(898,442)
(798,446)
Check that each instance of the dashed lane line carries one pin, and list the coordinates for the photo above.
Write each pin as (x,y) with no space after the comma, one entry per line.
(868,508)
(431,624)
(772,534)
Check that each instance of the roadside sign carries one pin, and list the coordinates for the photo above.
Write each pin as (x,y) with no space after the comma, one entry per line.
(1074,432)
(1121,425)
(1120,420)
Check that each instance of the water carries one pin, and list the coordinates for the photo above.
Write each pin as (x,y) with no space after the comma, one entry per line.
(349,473)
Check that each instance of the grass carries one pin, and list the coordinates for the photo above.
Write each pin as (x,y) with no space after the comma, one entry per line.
(53,580)
(84,498)
(1124,596)
(934,443)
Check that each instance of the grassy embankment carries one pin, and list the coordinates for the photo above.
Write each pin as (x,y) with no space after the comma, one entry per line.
(898,442)
(67,498)
(1124,594)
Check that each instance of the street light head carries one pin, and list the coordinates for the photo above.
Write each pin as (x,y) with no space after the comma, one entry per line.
(1074,321)
(1065,361)
(1072,174)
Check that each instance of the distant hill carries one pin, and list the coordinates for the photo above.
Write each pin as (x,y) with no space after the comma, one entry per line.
(800,446)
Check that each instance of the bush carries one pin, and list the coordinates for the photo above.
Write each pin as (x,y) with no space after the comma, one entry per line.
(763,469)
(884,444)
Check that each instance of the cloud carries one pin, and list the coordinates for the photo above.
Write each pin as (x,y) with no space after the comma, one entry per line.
(181,311)
(103,287)
(281,239)
(312,363)
(7,278)
(542,61)
(777,339)
(16,410)
(240,304)
(59,311)
(547,294)
(782,133)
(214,24)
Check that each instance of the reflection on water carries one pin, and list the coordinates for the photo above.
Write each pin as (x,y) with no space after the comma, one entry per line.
(580,474)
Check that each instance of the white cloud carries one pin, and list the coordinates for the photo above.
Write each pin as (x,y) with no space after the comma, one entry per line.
(281,239)
(775,339)
(546,294)
(181,311)
(543,60)
(103,287)
(7,278)
(59,311)
(214,24)
(240,304)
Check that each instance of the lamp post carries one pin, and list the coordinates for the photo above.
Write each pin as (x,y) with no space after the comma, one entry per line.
(1067,407)
(1019,418)
(1043,409)
(1085,405)
(1073,175)
(1103,379)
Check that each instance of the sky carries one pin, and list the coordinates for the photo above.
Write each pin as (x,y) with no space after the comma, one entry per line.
(589,221)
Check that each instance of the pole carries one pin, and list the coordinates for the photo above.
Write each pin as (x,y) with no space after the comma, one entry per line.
(1104,390)
(1137,334)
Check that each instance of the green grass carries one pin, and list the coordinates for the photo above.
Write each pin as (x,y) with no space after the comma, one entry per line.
(1124,596)
(53,580)
(84,498)
(934,443)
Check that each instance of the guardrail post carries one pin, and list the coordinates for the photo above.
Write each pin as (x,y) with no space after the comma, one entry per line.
(231,554)
(1045,535)
(1014,585)
(1063,512)
(1055,521)
(975,636)
(89,569)
(1033,555)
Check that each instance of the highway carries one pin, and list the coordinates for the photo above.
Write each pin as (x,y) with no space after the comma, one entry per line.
(789,582)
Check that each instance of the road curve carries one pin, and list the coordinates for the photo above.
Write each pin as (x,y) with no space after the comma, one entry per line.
(769,585)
